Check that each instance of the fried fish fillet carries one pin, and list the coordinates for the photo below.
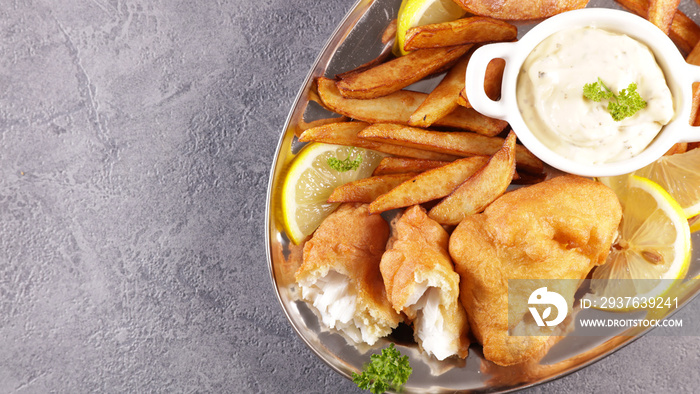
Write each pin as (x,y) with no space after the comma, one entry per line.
(557,229)
(421,282)
(340,274)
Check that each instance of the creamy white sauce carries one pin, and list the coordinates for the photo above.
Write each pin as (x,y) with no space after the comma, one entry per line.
(550,95)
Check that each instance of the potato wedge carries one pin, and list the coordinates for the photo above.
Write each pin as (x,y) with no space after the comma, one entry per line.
(345,133)
(476,29)
(661,13)
(389,33)
(493,79)
(694,113)
(679,147)
(462,99)
(443,99)
(481,189)
(383,56)
(402,165)
(429,185)
(396,74)
(398,107)
(451,142)
(520,10)
(684,32)
(694,55)
(367,190)
(303,126)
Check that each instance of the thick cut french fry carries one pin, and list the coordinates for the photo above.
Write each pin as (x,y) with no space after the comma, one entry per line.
(493,79)
(383,56)
(396,74)
(367,190)
(389,33)
(695,110)
(684,32)
(451,142)
(520,10)
(476,29)
(661,13)
(398,107)
(443,99)
(680,147)
(402,165)
(303,126)
(345,133)
(462,99)
(429,185)
(481,189)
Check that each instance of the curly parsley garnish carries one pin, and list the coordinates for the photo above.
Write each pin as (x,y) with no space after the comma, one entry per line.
(345,165)
(386,371)
(626,102)
(621,105)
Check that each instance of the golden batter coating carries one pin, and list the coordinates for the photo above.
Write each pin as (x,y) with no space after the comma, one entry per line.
(340,274)
(421,282)
(557,229)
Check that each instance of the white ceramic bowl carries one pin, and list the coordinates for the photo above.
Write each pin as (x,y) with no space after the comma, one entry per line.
(679,77)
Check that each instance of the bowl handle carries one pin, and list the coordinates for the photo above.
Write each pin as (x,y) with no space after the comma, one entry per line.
(474,79)
(693,133)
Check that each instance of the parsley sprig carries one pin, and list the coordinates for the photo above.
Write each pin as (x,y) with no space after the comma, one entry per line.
(621,105)
(385,371)
(346,164)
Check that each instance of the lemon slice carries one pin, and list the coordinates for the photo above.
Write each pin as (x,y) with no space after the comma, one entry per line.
(653,246)
(679,175)
(309,181)
(414,13)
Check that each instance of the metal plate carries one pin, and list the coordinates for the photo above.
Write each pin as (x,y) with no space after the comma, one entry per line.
(356,41)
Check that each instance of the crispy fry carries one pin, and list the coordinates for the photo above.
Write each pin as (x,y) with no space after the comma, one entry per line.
(520,10)
(462,99)
(661,13)
(481,189)
(429,185)
(476,29)
(396,74)
(303,126)
(694,113)
(493,79)
(368,189)
(402,165)
(443,99)
(694,55)
(454,143)
(680,147)
(389,33)
(684,32)
(345,133)
(398,107)
(381,58)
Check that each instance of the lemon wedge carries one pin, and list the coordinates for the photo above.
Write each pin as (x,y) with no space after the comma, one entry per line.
(679,175)
(414,13)
(310,179)
(653,245)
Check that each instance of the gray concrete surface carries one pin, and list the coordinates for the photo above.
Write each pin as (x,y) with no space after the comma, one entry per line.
(136,138)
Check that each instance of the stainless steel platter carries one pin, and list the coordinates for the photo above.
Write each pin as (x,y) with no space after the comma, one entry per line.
(356,41)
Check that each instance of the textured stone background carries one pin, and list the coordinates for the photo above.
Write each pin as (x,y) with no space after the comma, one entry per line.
(135,143)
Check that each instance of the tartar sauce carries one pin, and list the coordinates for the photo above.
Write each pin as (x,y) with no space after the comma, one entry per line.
(550,94)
